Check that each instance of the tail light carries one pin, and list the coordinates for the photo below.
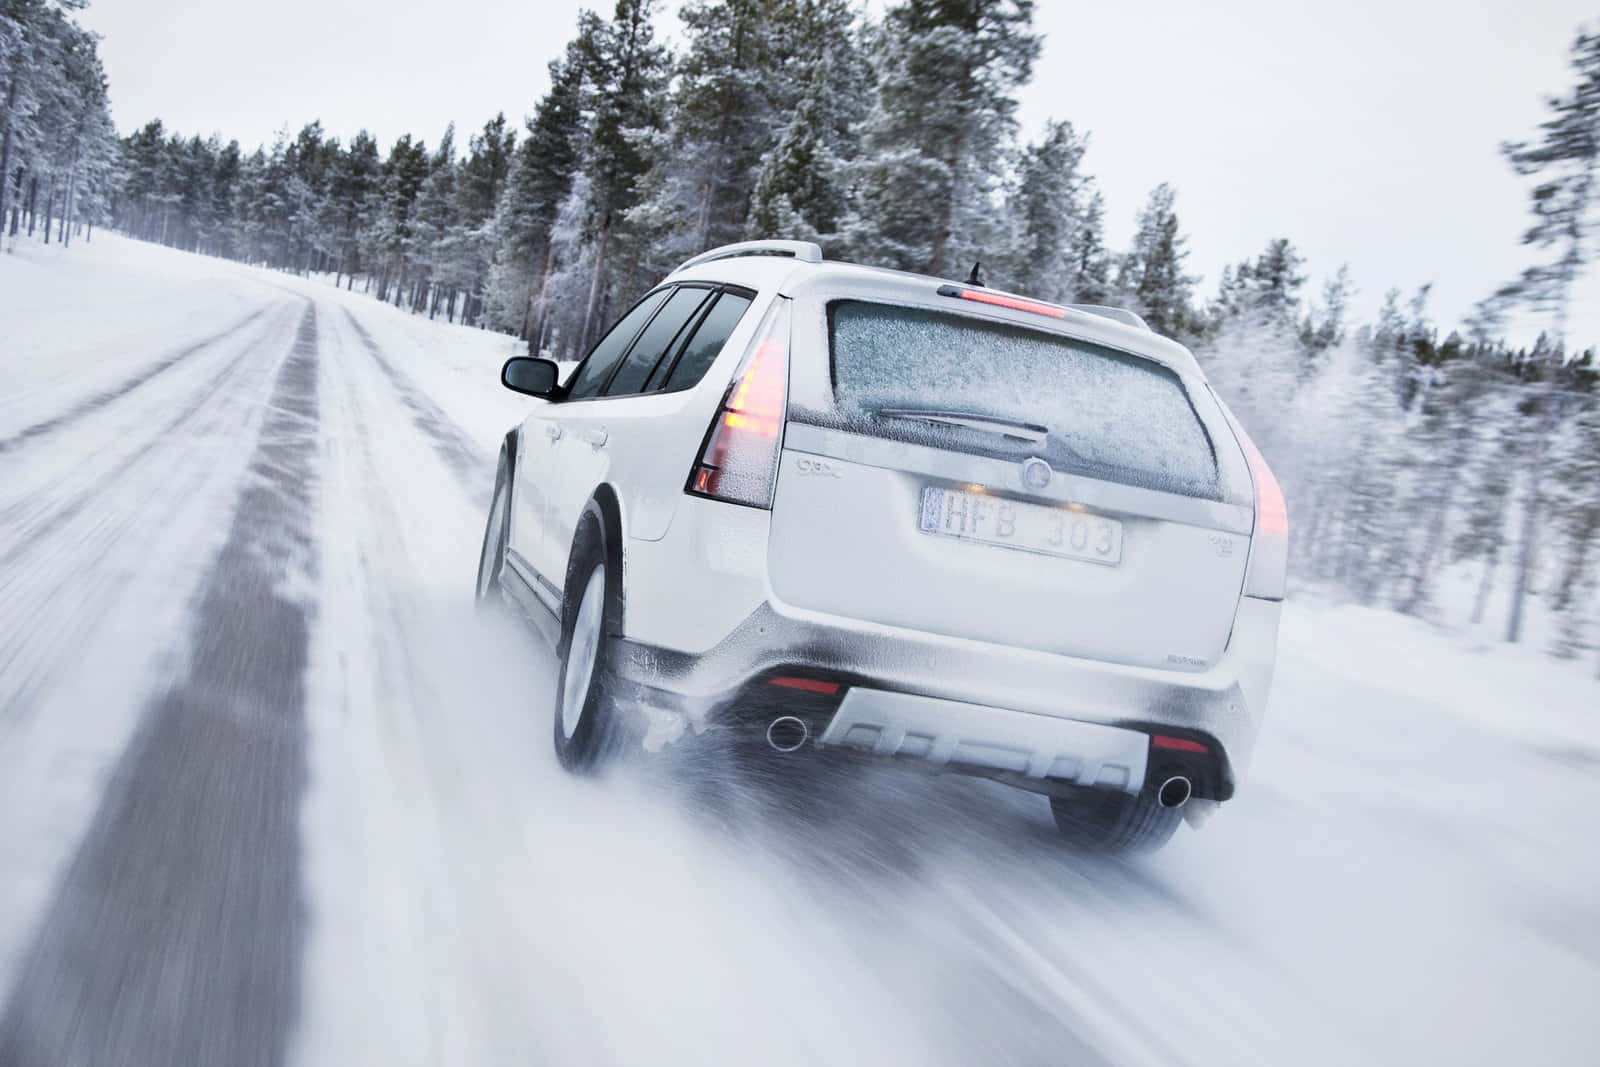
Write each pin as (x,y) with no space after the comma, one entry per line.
(1269,546)
(739,461)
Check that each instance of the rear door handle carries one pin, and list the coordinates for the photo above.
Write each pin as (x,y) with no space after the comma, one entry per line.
(553,432)
(594,438)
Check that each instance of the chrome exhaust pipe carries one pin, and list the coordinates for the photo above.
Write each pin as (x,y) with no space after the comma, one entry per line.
(1174,792)
(787,733)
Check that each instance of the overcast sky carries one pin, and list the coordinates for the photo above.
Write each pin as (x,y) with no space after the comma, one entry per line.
(1366,132)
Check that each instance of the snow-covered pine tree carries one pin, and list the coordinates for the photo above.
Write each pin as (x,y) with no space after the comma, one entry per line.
(1575,509)
(624,84)
(1325,324)
(354,185)
(823,85)
(1048,207)
(722,120)
(432,222)
(1152,272)
(404,171)
(798,190)
(541,175)
(1091,261)
(469,245)
(934,146)
(1566,162)
(307,162)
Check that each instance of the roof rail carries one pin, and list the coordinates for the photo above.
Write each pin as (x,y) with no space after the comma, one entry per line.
(804,251)
(1122,315)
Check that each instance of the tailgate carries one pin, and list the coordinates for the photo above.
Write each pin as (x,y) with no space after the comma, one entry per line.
(854,534)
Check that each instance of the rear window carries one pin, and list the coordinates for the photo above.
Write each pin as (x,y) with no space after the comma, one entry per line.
(1104,414)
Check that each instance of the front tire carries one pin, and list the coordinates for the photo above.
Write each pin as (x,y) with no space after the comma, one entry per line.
(588,729)
(1110,821)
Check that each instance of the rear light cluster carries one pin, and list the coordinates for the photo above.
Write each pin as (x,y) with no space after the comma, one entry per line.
(1269,546)
(739,461)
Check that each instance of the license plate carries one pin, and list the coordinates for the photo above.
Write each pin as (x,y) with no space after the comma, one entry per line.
(1065,532)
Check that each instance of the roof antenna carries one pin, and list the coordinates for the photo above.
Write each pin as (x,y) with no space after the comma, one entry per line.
(976,277)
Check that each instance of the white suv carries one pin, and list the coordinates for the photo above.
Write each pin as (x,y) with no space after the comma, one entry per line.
(840,507)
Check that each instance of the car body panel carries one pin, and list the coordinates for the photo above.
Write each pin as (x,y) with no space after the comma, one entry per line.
(836,574)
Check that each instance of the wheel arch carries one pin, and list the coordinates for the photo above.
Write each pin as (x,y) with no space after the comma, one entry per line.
(605,504)
(508,450)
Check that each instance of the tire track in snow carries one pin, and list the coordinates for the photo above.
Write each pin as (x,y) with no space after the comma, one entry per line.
(101,399)
(439,428)
(176,934)
(44,528)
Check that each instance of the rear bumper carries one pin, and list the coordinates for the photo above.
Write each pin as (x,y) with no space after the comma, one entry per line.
(949,733)
(958,703)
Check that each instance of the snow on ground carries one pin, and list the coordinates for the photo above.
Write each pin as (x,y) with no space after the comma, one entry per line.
(1408,876)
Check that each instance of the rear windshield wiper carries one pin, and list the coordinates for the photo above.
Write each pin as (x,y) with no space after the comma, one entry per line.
(1015,429)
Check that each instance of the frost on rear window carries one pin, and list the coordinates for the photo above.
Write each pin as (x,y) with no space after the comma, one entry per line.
(1109,415)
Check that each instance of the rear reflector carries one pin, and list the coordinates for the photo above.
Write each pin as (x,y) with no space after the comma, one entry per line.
(1177,744)
(809,685)
(739,460)
(1015,303)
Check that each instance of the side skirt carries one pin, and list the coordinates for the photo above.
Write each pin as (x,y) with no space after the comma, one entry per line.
(524,589)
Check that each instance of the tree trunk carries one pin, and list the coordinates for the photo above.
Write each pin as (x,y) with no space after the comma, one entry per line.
(1486,584)
(594,282)
(72,187)
(533,328)
(1437,523)
(1527,557)
(49,206)
(1572,577)
(5,143)
(1527,554)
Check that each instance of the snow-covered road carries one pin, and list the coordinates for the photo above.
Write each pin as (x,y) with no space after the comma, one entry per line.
(271,790)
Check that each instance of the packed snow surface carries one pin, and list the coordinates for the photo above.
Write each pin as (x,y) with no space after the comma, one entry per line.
(271,788)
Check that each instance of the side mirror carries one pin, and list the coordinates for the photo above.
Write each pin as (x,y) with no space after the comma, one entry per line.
(536,377)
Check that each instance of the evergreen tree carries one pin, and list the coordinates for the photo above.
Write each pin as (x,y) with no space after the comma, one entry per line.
(935,143)
(539,180)
(625,75)
(479,182)
(1091,261)
(1153,271)
(798,192)
(723,118)
(404,171)
(354,183)
(1325,325)
(432,221)
(1049,207)
(1566,162)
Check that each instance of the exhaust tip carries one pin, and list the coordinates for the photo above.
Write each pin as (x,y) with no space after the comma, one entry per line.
(1174,792)
(787,733)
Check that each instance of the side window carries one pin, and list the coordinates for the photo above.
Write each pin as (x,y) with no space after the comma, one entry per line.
(714,331)
(658,338)
(592,375)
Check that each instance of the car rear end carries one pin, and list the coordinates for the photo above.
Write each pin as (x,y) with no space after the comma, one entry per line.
(991,535)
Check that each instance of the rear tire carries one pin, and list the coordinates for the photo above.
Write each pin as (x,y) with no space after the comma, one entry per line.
(1110,821)
(589,732)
